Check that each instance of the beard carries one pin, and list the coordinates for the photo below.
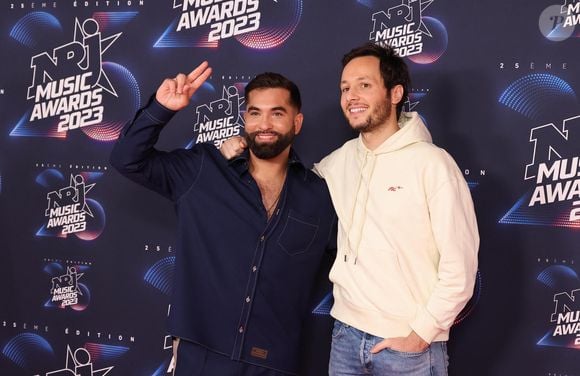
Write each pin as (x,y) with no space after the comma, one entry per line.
(269,150)
(378,117)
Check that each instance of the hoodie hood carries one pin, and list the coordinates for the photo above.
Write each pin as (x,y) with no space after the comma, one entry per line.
(411,130)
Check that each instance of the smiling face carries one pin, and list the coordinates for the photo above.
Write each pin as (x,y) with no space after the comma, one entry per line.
(271,122)
(364,99)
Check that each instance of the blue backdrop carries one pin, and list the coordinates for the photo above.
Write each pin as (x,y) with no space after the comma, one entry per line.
(87,257)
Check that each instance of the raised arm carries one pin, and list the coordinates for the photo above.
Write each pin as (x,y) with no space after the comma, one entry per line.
(134,154)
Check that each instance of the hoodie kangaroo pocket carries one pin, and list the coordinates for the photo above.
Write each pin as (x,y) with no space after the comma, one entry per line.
(379,284)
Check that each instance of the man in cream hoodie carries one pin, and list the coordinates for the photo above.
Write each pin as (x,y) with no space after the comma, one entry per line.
(407,238)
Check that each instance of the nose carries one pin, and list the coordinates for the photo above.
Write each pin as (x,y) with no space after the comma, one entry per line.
(351,95)
(264,123)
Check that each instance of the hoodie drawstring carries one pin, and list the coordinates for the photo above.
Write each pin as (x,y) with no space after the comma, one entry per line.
(365,177)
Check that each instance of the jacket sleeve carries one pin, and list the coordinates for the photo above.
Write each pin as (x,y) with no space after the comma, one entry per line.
(456,236)
(134,155)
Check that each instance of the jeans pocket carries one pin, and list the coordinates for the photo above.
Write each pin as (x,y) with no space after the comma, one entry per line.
(298,234)
(405,354)
(338,329)
(393,362)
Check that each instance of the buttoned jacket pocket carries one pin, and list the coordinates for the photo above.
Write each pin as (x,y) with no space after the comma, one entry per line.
(298,234)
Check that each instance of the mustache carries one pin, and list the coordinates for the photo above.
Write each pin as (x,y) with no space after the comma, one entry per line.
(254,134)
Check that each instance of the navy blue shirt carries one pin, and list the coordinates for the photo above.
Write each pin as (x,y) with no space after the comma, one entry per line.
(242,282)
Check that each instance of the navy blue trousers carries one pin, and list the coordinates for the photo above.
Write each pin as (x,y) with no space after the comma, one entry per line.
(196,360)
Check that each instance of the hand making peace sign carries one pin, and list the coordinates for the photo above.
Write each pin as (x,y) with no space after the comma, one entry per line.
(174,93)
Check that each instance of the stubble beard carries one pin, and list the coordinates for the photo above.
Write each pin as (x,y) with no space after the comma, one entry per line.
(378,117)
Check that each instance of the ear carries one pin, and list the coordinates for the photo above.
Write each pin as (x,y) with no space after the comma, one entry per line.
(396,94)
(298,119)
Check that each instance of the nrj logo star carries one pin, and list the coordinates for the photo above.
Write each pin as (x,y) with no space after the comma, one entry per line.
(68,83)
(79,363)
(221,119)
(414,98)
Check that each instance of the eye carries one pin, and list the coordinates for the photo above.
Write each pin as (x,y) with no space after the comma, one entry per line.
(278,114)
(344,90)
(365,85)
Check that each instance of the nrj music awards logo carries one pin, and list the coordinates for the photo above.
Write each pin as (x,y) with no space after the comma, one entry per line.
(69,82)
(558,22)
(403,26)
(555,168)
(564,318)
(67,207)
(258,24)
(65,290)
(71,85)
(69,210)
(225,19)
(554,174)
(220,119)
(552,170)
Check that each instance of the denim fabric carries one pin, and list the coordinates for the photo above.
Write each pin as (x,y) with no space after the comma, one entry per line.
(242,281)
(195,360)
(351,355)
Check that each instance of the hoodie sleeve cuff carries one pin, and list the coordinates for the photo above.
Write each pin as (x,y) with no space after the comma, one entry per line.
(425,326)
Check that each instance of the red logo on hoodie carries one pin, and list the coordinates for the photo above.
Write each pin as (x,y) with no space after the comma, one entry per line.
(394,189)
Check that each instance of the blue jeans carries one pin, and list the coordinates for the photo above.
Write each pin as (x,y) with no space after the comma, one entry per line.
(351,355)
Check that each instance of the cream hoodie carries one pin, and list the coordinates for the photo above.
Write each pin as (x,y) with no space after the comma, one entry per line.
(407,237)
